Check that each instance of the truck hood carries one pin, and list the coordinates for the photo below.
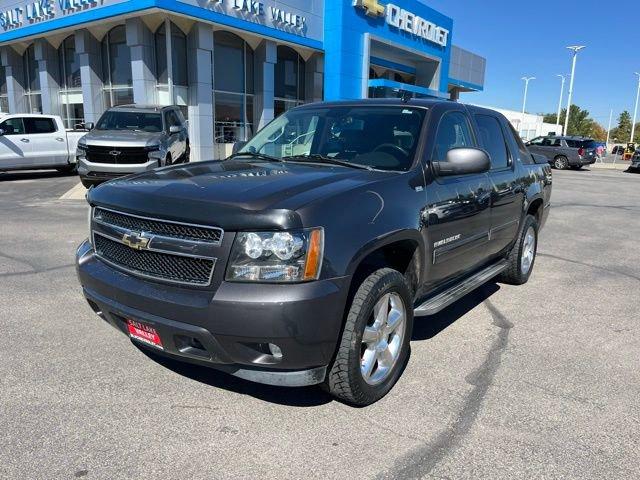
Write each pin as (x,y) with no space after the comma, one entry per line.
(234,194)
(121,138)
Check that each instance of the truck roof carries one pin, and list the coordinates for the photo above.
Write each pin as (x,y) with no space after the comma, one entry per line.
(141,108)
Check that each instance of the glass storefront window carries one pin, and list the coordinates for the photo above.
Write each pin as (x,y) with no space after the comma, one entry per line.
(172,86)
(233,88)
(32,80)
(4,99)
(289,80)
(71,100)
(116,68)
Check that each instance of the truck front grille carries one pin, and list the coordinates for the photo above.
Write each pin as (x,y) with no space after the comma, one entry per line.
(174,268)
(165,228)
(117,155)
(158,249)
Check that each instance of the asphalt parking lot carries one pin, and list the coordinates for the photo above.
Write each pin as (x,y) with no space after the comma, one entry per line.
(537,381)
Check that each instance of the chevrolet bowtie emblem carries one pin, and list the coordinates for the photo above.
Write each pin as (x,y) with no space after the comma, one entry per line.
(137,241)
(371,7)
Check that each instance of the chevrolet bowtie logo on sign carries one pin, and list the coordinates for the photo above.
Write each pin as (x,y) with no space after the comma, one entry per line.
(402,19)
(370,7)
(137,241)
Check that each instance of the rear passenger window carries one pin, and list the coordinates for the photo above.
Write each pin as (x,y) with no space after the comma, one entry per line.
(39,125)
(492,140)
(453,132)
(12,126)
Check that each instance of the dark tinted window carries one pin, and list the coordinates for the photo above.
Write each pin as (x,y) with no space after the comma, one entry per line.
(453,132)
(588,144)
(171,119)
(492,140)
(12,126)
(146,122)
(39,125)
(525,155)
(537,141)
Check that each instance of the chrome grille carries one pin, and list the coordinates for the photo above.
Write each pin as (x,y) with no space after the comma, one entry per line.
(158,249)
(155,264)
(159,227)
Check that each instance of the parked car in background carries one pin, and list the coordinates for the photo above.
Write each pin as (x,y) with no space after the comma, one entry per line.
(564,152)
(131,139)
(34,141)
(618,150)
(635,162)
(304,258)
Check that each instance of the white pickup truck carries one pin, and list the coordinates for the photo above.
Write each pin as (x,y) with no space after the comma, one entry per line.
(33,141)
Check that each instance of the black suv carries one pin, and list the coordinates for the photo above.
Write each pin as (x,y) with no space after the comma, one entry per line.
(305,257)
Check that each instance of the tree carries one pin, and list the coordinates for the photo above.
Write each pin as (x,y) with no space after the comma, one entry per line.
(579,121)
(623,131)
(598,132)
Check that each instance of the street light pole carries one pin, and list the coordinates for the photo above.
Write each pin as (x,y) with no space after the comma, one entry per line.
(575,49)
(635,110)
(563,77)
(609,129)
(524,101)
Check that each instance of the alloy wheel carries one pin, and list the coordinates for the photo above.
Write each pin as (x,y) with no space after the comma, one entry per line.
(382,339)
(528,250)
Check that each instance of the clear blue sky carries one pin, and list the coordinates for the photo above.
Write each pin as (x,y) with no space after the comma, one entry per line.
(521,38)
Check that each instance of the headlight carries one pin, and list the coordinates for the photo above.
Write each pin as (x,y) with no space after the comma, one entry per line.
(276,257)
(89,217)
(81,150)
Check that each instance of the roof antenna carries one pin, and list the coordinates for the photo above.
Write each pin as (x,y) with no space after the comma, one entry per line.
(406,96)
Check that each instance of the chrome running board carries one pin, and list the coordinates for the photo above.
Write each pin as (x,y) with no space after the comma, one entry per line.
(439,302)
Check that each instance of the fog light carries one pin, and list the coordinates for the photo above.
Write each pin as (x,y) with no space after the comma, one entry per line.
(275,350)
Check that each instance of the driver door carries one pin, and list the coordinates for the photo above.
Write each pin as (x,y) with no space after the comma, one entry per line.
(457,213)
(15,148)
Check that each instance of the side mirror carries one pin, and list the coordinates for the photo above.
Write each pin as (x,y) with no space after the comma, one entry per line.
(237,146)
(175,129)
(463,161)
(89,126)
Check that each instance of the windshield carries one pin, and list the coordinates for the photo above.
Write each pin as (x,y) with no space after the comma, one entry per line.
(380,137)
(136,121)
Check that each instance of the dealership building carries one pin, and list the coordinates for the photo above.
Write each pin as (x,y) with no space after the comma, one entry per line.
(232,65)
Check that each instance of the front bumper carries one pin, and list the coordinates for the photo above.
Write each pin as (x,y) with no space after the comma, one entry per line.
(111,170)
(230,327)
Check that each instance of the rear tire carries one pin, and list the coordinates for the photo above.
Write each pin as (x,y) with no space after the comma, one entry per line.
(71,168)
(184,158)
(560,162)
(523,254)
(375,342)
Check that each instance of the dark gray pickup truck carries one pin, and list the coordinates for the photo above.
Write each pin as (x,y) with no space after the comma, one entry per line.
(304,258)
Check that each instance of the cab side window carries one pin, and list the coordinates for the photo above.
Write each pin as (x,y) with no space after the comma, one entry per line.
(492,140)
(537,141)
(12,126)
(39,125)
(453,132)
(171,119)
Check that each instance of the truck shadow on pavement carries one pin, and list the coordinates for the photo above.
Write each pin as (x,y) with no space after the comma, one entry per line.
(423,329)
(428,327)
(33,175)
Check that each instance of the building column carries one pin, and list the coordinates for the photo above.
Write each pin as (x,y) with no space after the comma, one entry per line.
(140,41)
(48,69)
(314,78)
(265,58)
(200,66)
(14,71)
(90,58)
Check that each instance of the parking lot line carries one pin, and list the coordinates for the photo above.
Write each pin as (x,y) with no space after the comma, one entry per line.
(78,192)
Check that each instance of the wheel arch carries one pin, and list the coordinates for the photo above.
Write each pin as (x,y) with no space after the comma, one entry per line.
(402,251)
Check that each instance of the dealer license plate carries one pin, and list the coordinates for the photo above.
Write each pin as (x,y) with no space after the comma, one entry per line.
(144,333)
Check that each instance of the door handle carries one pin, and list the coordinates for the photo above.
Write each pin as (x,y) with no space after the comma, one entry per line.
(25,140)
(60,139)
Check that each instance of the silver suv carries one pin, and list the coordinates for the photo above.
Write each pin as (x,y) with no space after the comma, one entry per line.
(564,152)
(131,139)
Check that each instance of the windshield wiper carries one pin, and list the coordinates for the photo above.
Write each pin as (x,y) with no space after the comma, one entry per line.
(259,156)
(315,157)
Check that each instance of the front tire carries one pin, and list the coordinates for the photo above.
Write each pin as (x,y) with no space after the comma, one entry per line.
(375,341)
(523,254)
(560,162)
